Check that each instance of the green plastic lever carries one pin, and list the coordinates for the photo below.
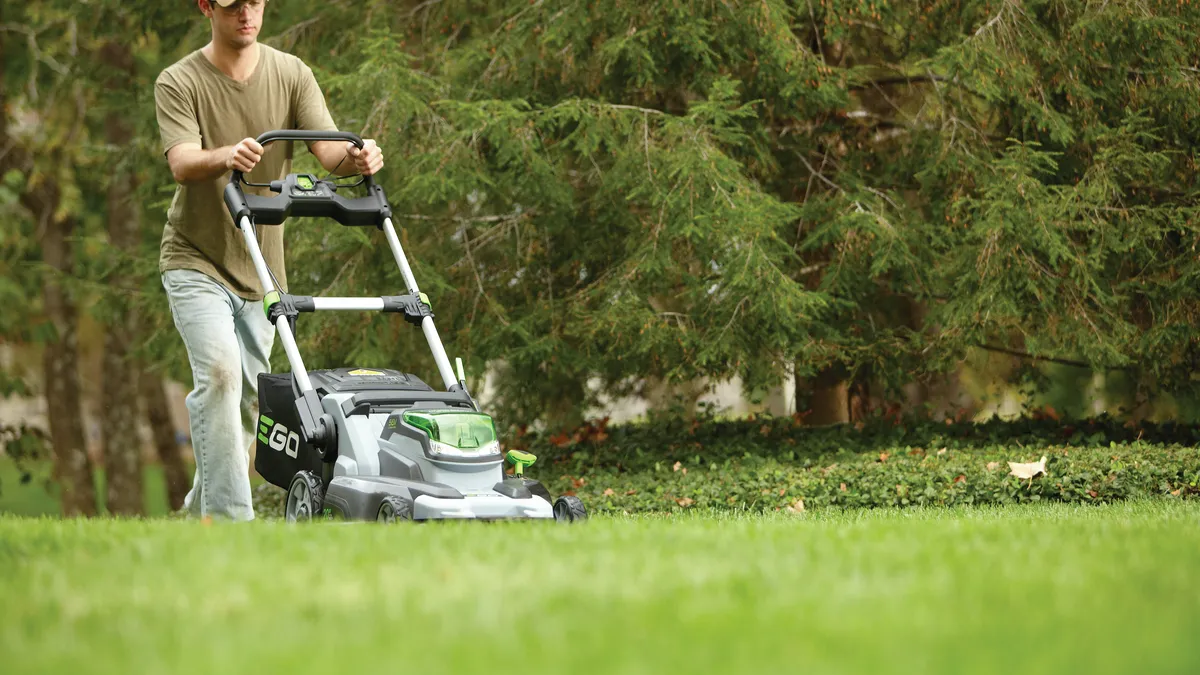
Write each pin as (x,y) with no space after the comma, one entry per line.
(520,460)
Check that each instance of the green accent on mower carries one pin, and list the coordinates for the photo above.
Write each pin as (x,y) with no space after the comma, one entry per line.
(270,299)
(462,430)
(520,460)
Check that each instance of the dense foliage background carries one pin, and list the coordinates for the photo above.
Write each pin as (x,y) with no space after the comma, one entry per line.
(615,197)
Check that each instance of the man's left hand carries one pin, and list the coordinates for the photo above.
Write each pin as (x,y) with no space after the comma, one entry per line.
(369,159)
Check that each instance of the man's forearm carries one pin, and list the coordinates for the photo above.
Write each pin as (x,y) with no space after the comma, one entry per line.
(193,165)
(332,153)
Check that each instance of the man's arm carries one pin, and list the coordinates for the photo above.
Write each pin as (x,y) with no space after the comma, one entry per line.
(332,153)
(190,163)
(343,159)
(340,158)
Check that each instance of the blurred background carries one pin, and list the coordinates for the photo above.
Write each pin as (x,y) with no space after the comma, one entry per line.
(838,210)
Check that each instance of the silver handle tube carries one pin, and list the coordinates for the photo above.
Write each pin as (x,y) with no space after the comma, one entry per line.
(293,353)
(260,265)
(431,334)
(398,253)
(348,304)
(439,352)
(281,324)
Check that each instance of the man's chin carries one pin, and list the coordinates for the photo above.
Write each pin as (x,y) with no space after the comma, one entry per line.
(240,41)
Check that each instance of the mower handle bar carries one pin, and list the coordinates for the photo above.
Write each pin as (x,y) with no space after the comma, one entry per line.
(297,199)
(303,135)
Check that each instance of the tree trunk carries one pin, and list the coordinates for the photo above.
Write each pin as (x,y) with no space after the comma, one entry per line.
(72,469)
(163,431)
(60,360)
(828,397)
(122,446)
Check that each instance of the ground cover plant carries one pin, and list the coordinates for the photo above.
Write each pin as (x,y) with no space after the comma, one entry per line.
(1033,588)
(774,463)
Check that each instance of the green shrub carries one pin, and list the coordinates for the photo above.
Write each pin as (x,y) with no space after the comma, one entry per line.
(894,477)
(777,463)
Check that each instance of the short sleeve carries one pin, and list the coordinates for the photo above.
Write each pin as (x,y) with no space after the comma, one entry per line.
(311,111)
(176,114)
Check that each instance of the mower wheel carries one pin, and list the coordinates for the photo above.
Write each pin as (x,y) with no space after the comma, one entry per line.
(304,498)
(395,510)
(568,509)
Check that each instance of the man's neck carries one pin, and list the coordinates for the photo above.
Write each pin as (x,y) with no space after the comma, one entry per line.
(238,64)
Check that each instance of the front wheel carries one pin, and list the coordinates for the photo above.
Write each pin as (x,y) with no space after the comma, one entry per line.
(569,509)
(304,497)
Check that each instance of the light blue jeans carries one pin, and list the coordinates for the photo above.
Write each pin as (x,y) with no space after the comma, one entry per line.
(228,341)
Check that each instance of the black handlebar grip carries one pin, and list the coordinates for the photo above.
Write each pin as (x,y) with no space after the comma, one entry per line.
(308,135)
(235,201)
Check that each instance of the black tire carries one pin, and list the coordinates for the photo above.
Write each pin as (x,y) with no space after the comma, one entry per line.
(305,497)
(569,509)
(394,510)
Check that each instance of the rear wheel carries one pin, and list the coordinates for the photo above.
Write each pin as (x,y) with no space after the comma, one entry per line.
(304,497)
(568,509)
(394,510)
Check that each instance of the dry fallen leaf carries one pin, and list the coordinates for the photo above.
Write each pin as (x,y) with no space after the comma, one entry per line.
(1175,492)
(608,492)
(795,507)
(960,478)
(942,451)
(677,465)
(842,487)
(684,501)
(1027,470)
(883,456)
(992,466)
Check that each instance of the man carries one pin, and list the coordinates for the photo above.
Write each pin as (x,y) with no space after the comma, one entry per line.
(211,104)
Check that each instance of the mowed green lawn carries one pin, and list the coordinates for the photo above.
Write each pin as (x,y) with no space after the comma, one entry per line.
(1040,589)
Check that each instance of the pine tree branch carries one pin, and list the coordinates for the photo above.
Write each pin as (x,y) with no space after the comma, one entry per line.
(418,8)
(901,79)
(925,78)
(474,219)
(818,174)
(1034,357)
(286,39)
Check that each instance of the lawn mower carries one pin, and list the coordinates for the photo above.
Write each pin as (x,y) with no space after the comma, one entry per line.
(358,443)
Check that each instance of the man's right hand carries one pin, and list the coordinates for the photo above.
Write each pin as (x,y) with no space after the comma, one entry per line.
(244,156)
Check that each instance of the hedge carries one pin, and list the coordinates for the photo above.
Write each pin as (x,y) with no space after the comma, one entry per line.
(890,477)
(772,464)
(775,463)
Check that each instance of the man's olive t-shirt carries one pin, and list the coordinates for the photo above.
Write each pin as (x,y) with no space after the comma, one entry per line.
(198,103)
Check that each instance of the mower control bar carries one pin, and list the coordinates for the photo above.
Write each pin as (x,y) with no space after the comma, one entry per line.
(414,307)
(305,195)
